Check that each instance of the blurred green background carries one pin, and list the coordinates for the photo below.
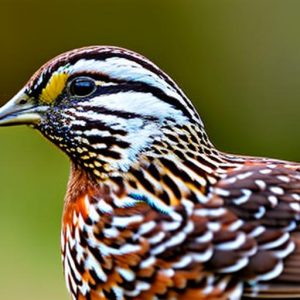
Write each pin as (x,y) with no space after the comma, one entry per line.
(238,60)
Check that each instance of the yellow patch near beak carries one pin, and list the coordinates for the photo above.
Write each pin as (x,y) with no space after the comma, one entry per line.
(54,87)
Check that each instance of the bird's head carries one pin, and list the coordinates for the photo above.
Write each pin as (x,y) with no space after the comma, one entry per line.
(101,105)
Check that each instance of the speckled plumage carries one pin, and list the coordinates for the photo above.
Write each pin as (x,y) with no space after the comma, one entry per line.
(153,210)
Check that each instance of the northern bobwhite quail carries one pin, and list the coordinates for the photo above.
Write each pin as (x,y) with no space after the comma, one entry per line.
(153,210)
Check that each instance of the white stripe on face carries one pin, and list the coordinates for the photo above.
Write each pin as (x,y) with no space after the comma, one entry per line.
(144,104)
(124,69)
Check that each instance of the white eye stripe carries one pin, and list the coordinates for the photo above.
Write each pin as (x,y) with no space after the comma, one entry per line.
(103,83)
(125,69)
(137,103)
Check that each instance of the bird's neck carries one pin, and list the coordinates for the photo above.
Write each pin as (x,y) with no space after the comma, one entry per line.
(118,154)
(181,156)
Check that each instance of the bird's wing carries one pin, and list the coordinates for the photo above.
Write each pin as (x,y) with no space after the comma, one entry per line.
(266,200)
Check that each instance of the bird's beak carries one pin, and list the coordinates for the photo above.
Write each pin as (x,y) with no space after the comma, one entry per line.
(20,110)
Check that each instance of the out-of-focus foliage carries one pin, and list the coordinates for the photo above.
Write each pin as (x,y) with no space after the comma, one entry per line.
(239,61)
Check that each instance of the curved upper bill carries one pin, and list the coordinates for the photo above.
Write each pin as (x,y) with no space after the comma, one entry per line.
(16,113)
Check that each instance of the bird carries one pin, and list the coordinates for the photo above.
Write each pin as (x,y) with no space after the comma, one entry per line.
(153,210)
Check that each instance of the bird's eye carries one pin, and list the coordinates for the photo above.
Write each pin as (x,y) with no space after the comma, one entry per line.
(82,86)
(22,101)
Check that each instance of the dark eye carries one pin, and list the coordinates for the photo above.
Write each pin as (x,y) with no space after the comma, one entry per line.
(22,101)
(82,86)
